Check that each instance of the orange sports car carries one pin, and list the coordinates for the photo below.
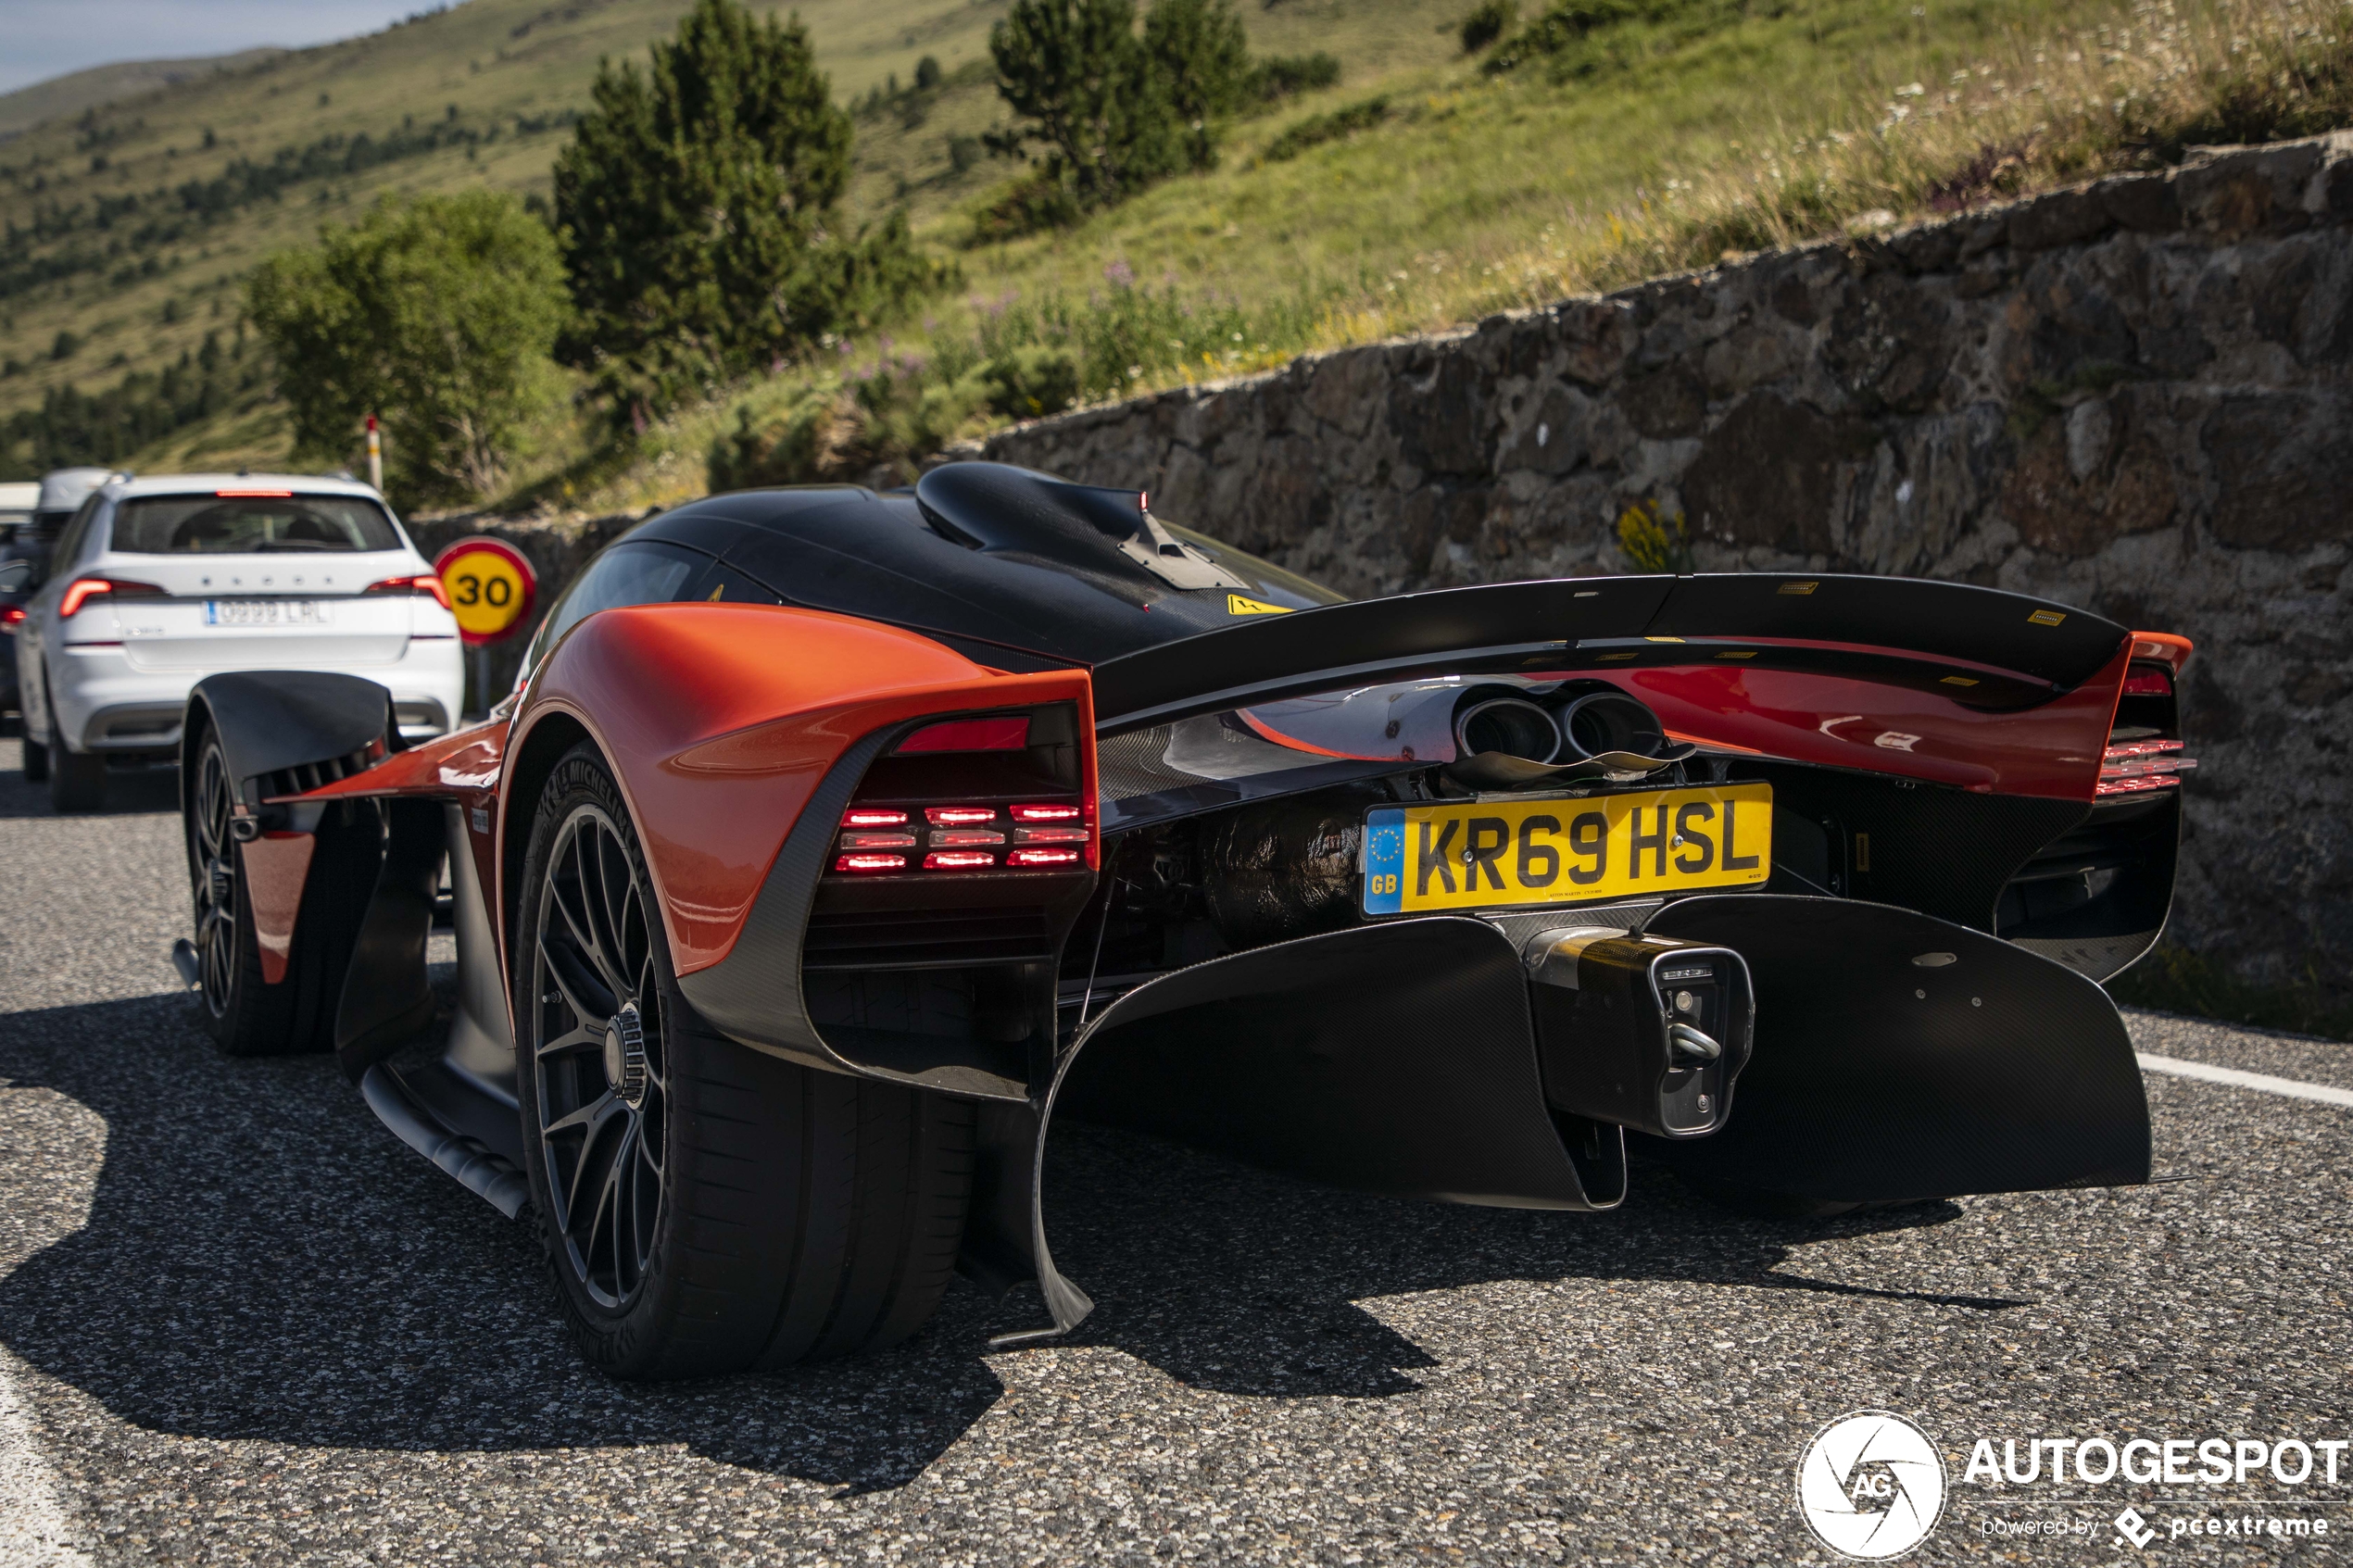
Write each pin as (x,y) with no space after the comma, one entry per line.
(835,843)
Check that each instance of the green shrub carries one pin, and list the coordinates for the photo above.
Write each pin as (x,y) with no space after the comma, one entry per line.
(1031,382)
(1285,76)
(436,314)
(1317,129)
(1487,22)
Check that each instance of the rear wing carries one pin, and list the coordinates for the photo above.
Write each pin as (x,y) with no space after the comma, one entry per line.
(2015,650)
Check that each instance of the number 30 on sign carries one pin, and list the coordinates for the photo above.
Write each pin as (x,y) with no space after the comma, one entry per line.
(491,588)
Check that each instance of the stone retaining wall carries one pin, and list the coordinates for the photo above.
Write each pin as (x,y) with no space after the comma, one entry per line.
(2130,396)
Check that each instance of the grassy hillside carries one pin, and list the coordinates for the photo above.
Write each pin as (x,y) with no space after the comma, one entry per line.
(61,97)
(1421,190)
(128,228)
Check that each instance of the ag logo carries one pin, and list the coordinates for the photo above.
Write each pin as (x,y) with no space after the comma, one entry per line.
(1870,1485)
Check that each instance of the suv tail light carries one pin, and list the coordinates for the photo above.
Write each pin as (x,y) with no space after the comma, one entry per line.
(81,590)
(426,583)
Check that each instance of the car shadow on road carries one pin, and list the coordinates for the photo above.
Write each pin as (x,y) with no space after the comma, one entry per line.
(260,1260)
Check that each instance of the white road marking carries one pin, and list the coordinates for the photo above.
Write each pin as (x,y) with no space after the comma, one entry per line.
(35,1530)
(2238,1079)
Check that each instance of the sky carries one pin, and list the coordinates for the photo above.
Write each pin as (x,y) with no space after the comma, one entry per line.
(40,39)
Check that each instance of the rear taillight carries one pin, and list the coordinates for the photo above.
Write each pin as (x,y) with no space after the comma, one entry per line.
(426,583)
(2143,754)
(959,861)
(81,590)
(878,841)
(9,616)
(2138,765)
(961,837)
(866,865)
(975,793)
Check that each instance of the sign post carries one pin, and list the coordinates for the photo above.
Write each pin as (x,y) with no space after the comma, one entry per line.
(375,456)
(492,590)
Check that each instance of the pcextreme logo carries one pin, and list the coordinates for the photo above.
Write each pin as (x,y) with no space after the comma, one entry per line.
(1870,1485)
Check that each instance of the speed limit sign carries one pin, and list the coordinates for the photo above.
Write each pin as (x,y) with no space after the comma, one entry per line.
(491,588)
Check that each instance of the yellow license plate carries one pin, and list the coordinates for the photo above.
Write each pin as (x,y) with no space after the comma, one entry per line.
(1485,855)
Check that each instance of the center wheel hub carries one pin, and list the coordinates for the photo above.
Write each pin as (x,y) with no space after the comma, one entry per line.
(625,1056)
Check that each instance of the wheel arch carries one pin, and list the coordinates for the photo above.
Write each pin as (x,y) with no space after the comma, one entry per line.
(553,732)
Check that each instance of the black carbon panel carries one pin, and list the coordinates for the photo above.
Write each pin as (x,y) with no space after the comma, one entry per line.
(1397,1059)
(1943,852)
(754,994)
(1878,1076)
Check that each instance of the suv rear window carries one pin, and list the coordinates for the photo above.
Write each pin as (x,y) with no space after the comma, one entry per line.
(235,525)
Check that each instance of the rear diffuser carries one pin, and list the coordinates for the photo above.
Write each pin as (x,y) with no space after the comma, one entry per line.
(1901,1058)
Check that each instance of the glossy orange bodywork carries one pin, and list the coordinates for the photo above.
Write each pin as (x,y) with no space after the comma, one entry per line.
(720,719)
(2164,646)
(464,766)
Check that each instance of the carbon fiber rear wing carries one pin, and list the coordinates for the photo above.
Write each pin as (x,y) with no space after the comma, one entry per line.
(2042,648)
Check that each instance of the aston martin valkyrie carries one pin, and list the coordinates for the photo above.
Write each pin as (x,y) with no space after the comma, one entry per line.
(834,844)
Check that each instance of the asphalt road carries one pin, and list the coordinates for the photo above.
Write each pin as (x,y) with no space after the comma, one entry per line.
(240,1323)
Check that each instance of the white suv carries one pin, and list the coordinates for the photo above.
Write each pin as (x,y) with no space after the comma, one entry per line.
(158,582)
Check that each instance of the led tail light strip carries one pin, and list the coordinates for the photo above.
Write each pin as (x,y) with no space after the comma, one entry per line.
(880,839)
(866,864)
(2136,766)
(958,861)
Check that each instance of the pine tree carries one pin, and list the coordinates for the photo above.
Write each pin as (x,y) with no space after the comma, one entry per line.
(696,204)
(1200,52)
(1074,70)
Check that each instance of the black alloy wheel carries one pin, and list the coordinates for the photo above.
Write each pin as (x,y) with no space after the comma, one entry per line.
(599,1044)
(212,872)
(245,1013)
(705,1208)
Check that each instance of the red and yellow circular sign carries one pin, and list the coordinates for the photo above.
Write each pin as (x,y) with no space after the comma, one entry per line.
(491,588)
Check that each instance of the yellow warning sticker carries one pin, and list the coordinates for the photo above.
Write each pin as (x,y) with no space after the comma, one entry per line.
(2047,618)
(1237,605)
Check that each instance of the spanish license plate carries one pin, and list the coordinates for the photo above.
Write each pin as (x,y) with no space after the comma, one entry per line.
(1487,854)
(267,612)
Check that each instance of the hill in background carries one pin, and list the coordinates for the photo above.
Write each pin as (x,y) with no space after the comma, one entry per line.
(62,98)
(128,227)
(1421,190)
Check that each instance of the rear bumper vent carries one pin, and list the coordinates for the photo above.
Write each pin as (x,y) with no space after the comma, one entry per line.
(925,938)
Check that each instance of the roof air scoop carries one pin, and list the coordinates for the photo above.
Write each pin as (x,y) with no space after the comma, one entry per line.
(998,508)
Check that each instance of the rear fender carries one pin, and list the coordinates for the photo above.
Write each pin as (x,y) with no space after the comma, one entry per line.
(721,721)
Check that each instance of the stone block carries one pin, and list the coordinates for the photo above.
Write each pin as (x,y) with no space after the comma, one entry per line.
(2063,218)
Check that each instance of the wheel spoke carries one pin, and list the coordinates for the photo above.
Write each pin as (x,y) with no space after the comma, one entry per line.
(602,1156)
(595,1156)
(582,990)
(587,1116)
